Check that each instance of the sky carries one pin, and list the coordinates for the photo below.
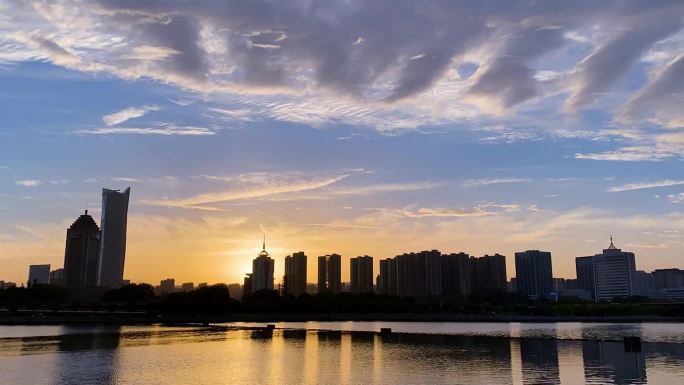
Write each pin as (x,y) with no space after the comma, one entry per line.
(352,127)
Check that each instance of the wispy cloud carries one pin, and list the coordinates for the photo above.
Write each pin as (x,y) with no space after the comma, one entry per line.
(481,210)
(676,198)
(162,130)
(28,182)
(127,114)
(646,185)
(125,179)
(485,182)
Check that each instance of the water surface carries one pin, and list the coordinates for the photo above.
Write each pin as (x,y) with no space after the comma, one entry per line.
(472,354)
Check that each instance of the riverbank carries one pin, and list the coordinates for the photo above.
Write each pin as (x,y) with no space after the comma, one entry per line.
(122,318)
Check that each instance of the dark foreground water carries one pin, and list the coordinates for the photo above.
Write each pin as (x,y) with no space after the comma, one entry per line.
(472,353)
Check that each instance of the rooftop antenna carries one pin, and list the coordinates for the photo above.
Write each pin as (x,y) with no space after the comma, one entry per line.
(264,245)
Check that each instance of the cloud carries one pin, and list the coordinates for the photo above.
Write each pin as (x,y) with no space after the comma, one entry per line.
(485,182)
(126,114)
(646,185)
(596,73)
(168,129)
(480,210)
(676,198)
(28,182)
(125,179)
(204,201)
(661,99)
(381,64)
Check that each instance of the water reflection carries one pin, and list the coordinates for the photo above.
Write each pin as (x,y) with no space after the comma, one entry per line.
(218,355)
(94,356)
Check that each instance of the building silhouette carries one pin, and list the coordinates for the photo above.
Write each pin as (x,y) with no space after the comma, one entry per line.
(456,275)
(113,237)
(613,274)
(533,272)
(167,286)
(81,254)
(668,278)
(387,279)
(187,286)
(488,274)
(419,274)
(39,275)
(584,268)
(262,271)
(295,274)
(57,277)
(247,285)
(330,273)
(361,274)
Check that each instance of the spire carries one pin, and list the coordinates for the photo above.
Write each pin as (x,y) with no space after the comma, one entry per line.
(264,245)
(612,246)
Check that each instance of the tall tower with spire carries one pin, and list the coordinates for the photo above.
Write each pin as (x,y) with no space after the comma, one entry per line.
(262,270)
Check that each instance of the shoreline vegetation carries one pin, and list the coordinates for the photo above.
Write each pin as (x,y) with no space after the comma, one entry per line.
(137,304)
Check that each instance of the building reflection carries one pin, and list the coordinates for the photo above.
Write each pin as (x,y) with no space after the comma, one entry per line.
(539,361)
(90,357)
(609,362)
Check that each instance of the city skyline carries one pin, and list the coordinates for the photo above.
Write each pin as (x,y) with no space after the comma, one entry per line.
(475,128)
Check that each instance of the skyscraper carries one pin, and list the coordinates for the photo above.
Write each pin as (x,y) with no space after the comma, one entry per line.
(295,274)
(262,271)
(329,273)
(534,274)
(39,275)
(81,254)
(361,274)
(113,239)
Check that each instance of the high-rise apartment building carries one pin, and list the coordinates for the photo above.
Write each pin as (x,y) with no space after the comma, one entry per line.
(534,273)
(488,274)
(295,274)
(330,273)
(113,237)
(361,274)
(387,282)
(456,275)
(81,254)
(39,275)
(584,267)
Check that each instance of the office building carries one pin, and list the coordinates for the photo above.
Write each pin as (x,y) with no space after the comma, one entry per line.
(488,274)
(614,272)
(81,254)
(57,277)
(456,275)
(113,237)
(584,268)
(295,274)
(39,275)
(262,271)
(361,274)
(330,273)
(533,273)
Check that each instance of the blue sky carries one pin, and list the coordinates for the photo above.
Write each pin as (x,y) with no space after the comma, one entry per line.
(342,127)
